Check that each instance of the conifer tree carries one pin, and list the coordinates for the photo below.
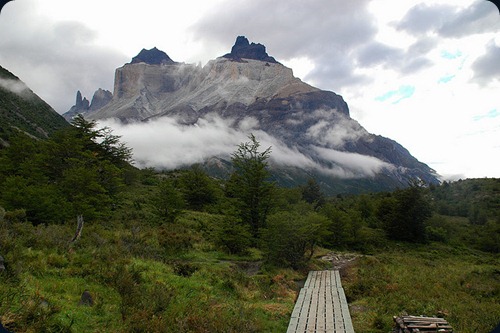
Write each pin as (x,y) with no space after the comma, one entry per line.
(250,185)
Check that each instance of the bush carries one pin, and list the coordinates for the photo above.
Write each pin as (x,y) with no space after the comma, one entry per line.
(437,234)
(142,306)
(18,215)
(233,236)
(290,237)
(168,201)
(175,238)
(184,269)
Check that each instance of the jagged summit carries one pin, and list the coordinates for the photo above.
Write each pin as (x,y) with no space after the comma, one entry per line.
(242,49)
(81,103)
(249,90)
(83,106)
(152,57)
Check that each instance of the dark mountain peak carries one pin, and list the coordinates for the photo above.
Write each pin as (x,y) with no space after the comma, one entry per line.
(82,105)
(81,102)
(242,49)
(152,57)
(79,99)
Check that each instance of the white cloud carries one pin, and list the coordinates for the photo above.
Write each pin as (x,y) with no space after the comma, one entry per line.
(15,86)
(165,144)
(351,165)
(336,132)
(487,67)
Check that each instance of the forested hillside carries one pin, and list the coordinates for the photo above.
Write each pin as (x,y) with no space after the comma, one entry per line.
(185,252)
(22,110)
(476,199)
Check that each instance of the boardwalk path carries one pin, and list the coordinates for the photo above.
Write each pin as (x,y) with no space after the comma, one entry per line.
(321,306)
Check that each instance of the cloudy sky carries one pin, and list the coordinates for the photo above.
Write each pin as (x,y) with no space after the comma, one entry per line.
(424,73)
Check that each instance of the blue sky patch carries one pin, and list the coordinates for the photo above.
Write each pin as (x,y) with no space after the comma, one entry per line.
(449,55)
(492,114)
(446,79)
(397,96)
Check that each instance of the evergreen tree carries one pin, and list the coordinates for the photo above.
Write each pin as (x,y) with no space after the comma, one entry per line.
(198,188)
(405,216)
(249,184)
(311,193)
(79,170)
(168,201)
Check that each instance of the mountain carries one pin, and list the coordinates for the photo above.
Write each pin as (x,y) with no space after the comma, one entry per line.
(247,86)
(22,110)
(82,105)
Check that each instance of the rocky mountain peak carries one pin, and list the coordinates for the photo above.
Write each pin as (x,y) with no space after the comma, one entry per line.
(242,49)
(247,90)
(82,105)
(100,99)
(152,57)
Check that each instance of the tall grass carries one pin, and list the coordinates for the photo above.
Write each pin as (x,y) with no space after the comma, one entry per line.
(142,277)
(457,284)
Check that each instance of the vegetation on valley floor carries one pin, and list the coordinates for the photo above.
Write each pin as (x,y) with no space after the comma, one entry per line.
(183,252)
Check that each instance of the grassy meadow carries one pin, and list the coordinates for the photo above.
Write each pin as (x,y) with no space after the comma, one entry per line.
(139,284)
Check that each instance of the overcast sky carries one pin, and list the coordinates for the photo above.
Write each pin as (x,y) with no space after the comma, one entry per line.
(424,73)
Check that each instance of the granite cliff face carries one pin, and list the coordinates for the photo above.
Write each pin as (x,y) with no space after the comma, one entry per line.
(248,84)
(143,90)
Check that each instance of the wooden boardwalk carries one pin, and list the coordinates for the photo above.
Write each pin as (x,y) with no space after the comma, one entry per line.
(321,306)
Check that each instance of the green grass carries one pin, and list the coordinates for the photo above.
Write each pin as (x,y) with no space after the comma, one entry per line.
(137,285)
(459,285)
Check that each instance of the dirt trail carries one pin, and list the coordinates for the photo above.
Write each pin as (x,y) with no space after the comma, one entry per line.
(341,261)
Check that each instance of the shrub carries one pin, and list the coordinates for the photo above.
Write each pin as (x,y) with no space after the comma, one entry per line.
(168,201)
(17,215)
(233,236)
(175,238)
(290,237)
(184,269)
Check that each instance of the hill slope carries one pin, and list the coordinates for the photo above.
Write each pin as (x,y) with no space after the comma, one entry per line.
(23,110)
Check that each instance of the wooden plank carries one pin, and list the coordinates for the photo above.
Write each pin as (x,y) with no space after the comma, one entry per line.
(423,324)
(329,313)
(311,322)
(308,280)
(321,306)
(338,284)
(337,312)
(292,326)
(298,303)
(320,315)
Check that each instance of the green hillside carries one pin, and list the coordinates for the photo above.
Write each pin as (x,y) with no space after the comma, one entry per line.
(476,199)
(22,110)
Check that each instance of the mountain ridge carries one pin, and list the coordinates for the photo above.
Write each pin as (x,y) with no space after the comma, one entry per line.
(247,86)
(21,110)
